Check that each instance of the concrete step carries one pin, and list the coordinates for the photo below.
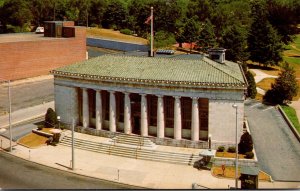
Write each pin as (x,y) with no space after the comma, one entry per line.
(130,152)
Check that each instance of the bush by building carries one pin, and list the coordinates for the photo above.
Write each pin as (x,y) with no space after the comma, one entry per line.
(231,149)
(50,118)
(246,143)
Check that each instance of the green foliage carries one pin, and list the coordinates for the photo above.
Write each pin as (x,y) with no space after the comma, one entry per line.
(264,43)
(115,15)
(231,149)
(40,127)
(234,40)
(207,37)
(221,149)
(191,30)
(251,89)
(50,118)
(126,31)
(284,88)
(292,115)
(249,155)
(163,39)
(246,143)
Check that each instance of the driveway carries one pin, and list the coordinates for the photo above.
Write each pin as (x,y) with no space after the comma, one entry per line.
(277,149)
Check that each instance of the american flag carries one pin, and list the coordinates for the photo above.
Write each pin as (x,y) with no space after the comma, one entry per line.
(148,20)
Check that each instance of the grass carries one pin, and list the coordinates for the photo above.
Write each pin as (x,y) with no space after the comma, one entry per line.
(230,173)
(229,155)
(259,97)
(114,35)
(265,84)
(33,140)
(274,70)
(291,114)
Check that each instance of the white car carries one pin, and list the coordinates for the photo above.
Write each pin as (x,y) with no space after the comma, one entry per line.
(39,30)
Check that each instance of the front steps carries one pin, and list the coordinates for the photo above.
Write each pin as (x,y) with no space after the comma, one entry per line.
(137,149)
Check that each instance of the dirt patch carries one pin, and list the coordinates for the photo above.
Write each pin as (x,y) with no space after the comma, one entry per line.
(114,35)
(229,172)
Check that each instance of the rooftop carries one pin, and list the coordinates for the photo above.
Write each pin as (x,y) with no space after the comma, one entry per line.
(157,70)
(21,37)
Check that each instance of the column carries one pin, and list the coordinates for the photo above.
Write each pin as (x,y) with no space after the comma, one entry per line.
(195,120)
(98,110)
(112,112)
(85,108)
(127,114)
(144,116)
(177,118)
(160,117)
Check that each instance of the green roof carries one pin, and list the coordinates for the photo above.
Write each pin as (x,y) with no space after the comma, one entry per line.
(156,70)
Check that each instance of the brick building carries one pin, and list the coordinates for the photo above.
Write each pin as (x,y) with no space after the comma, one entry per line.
(26,55)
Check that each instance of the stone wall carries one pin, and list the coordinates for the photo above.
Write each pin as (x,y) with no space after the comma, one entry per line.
(222,121)
(66,104)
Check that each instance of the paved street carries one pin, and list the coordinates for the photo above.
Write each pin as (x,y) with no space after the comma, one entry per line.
(27,94)
(278,150)
(19,173)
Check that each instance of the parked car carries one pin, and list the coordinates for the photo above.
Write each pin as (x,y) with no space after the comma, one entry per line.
(39,30)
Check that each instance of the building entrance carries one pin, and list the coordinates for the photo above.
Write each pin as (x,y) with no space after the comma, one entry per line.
(136,113)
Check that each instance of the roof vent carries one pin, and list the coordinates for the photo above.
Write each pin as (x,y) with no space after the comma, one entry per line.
(217,54)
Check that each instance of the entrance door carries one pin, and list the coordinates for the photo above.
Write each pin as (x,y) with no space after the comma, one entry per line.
(136,129)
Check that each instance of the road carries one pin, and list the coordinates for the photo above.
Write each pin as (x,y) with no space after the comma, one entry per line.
(27,94)
(18,173)
(277,148)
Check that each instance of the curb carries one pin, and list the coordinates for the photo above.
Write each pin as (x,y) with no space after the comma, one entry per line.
(290,124)
(23,120)
(77,173)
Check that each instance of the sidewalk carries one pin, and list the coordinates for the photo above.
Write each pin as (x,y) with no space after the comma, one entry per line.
(259,76)
(139,173)
(25,114)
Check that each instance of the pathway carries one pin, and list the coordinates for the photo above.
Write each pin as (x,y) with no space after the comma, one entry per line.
(259,76)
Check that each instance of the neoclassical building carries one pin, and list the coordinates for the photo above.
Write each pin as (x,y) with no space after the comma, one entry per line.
(166,98)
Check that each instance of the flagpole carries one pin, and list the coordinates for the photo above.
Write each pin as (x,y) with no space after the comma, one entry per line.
(152,35)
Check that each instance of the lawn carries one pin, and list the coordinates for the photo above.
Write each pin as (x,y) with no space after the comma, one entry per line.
(114,35)
(33,140)
(230,173)
(291,114)
(265,84)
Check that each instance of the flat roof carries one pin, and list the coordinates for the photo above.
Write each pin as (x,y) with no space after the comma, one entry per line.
(157,70)
(21,37)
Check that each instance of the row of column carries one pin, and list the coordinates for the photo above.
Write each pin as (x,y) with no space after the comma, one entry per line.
(144,118)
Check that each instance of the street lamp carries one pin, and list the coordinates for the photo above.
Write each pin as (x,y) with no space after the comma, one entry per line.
(9,114)
(236,147)
(58,119)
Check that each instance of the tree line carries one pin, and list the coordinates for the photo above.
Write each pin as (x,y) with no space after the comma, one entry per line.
(248,29)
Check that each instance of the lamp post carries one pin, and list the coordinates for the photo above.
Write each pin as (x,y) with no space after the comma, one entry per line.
(9,114)
(58,119)
(236,147)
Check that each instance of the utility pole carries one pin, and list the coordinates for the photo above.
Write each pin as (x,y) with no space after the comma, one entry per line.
(73,162)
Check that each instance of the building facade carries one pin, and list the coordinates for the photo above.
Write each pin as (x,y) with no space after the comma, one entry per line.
(162,98)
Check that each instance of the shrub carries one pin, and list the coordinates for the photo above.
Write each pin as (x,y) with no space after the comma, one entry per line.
(50,118)
(40,127)
(249,155)
(94,25)
(231,149)
(126,31)
(221,149)
(246,143)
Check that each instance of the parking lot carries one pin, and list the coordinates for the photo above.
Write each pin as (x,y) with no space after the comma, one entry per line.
(277,149)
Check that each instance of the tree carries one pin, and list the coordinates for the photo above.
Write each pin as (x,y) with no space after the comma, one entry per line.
(234,40)
(251,89)
(163,39)
(246,143)
(191,31)
(284,16)
(263,42)
(16,13)
(50,118)
(207,37)
(115,15)
(284,88)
